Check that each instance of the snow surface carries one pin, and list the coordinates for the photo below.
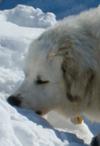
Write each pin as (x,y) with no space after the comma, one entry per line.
(22,127)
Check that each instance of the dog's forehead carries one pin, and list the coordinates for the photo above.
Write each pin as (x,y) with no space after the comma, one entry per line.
(40,63)
(41,56)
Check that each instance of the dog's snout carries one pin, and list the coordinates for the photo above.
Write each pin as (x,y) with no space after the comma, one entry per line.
(14,100)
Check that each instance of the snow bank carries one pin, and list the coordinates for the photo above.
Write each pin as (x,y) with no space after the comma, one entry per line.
(30,17)
(14,42)
(28,129)
(17,130)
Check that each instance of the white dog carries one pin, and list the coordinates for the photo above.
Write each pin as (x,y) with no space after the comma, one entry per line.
(62,69)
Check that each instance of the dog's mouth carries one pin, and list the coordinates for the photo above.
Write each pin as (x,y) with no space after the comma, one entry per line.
(17,102)
(39,112)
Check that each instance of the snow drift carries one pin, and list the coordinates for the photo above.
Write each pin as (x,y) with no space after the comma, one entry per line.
(30,17)
(29,129)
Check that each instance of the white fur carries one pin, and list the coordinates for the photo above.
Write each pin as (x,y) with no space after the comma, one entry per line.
(79,38)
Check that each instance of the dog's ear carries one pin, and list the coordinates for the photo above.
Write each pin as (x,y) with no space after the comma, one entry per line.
(91,77)
(79,81)
(70,72)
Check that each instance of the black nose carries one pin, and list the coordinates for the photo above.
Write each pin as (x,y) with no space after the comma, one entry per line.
(14,100)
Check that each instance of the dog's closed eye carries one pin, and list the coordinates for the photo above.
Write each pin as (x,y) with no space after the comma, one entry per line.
(40,81)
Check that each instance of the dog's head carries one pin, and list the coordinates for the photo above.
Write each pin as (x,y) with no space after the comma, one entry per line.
(56,75)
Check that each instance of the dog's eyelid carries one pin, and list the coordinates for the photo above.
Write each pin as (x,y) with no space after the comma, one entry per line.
(40,81)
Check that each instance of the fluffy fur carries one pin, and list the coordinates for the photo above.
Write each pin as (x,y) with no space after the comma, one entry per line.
(62,69)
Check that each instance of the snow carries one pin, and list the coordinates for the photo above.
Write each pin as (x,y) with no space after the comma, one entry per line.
(19,130)
(22,127)
(30,17)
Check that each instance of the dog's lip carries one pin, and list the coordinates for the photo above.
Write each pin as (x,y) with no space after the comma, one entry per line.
(41,112)
(38,112)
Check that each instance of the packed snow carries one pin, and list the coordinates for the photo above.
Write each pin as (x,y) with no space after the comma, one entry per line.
(22,127)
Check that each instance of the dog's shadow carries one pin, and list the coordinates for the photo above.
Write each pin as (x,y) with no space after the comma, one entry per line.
(62,135)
